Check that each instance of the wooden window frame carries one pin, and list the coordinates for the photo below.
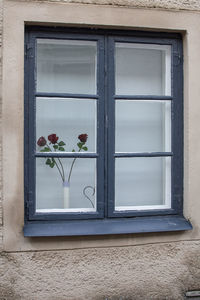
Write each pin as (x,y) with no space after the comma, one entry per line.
(106,220)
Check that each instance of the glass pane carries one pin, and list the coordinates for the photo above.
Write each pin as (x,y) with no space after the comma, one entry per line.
(66,66)
(143,69)
(76,193)
(142,183)
(68,119)
(143,126)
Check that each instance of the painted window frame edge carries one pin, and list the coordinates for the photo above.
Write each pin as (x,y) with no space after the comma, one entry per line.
(117,222)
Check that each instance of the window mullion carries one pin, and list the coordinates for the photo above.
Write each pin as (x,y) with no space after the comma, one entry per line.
(111,124)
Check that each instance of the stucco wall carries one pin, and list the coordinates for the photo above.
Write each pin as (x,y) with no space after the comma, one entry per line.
(153,271)
(166,4)
(1,212)
(163,271)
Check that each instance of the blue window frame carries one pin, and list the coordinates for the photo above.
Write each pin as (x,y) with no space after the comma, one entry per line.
(114,162)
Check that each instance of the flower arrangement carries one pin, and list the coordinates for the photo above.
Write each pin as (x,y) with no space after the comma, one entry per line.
(53,144)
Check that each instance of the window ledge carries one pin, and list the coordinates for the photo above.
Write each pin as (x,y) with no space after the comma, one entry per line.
(107,226)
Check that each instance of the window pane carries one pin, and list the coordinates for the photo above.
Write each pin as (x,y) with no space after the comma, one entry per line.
(67,66)
(67,118)
(142,183)
(143,126)
(143,69)
(78,194)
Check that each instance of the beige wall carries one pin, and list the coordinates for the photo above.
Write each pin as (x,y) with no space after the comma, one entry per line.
(13,71)
(147,266)
(165,4)
(1,212)
(159,271)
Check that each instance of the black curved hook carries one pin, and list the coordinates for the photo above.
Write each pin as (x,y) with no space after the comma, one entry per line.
(86,196)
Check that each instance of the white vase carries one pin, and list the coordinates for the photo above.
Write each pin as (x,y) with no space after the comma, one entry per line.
(66,200)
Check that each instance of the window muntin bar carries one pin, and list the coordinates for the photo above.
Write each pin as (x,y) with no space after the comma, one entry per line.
(143,154)
(65,95)
(142,97)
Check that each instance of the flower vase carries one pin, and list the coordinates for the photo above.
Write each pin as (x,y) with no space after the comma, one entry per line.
(66,187)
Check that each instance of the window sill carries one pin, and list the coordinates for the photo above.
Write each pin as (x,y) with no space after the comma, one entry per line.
(107,226)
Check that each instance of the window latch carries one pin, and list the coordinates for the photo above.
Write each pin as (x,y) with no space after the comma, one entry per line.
(28,201)
(177,59)
(28,52)
(27,208)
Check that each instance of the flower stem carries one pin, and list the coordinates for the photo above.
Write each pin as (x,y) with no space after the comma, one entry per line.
(59,170)
(73,162)
(62,175)
(62,169)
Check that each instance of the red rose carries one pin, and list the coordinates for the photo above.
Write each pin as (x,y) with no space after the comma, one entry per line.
(53,138)
(41,141)
(83,137)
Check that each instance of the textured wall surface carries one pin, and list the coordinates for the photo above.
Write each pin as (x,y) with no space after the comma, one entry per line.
(166,4)
(163,271)
(157,271)
(1,213)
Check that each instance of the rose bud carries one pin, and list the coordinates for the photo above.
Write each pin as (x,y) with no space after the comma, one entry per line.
(83,137)
(41,141)
(53,138)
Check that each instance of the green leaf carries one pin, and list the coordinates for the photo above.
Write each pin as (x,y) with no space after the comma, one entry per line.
(61,149)
(85,148)
(80,145)
(46,149)
(73,150)
(52,162)
(61,143)
(55,147)
(48,161)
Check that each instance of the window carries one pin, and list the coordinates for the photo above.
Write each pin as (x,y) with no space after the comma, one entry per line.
(103,132)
